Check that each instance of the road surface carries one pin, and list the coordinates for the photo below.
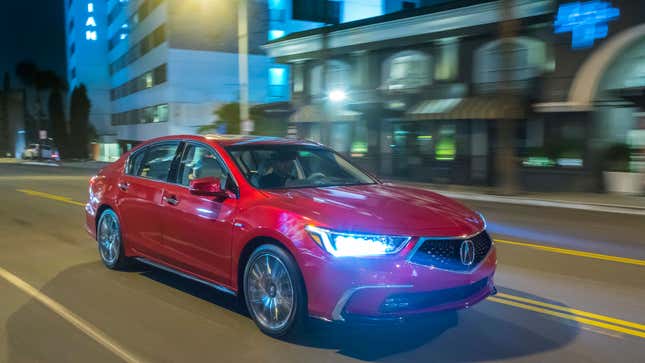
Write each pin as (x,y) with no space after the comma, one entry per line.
(572,289)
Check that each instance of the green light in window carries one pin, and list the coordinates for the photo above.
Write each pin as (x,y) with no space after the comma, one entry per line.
(446,149)
(424,137)
(359,147)
(538,161)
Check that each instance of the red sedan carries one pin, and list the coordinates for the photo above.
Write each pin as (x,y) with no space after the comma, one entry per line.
(292,228)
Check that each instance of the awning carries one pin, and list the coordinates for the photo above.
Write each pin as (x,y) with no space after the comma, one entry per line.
(469,108)
(315,113)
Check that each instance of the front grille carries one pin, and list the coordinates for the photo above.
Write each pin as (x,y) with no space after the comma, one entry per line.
(446,253)
(422,300)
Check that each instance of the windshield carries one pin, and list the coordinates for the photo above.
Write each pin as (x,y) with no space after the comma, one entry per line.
(289,166)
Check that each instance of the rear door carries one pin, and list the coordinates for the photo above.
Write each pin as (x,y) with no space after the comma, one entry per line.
(197,229)
(140,196)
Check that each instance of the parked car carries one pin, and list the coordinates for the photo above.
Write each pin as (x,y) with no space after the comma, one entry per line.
(292,228)
(45,151)
(32,151)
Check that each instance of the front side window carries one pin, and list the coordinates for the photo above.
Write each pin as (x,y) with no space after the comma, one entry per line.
(200,162)
(157,161)
(288,166)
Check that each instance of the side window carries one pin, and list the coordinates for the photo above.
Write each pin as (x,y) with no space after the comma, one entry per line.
(157,161)
(199,162)
(134,163)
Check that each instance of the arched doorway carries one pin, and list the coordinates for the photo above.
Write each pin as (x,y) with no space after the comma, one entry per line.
(617,65)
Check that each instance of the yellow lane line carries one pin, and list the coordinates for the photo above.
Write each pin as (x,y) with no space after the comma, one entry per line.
(565,251)
(86,327)
(501,241)
(59,198)
(565,309)
(579,319)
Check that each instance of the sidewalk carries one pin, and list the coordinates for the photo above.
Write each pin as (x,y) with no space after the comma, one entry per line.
(598,202)
(87,164)
(75,164)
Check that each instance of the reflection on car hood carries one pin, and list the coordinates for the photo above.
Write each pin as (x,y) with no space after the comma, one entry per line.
(381,208)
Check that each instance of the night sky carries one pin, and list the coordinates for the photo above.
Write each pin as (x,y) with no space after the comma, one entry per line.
(32,30)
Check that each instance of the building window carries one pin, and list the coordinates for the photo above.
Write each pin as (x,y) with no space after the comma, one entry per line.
(407,69)
(278,82)
(149,79)
(72,49)
(338,76)
(145,9)
(277,10)
(277,15)
(149,42)
(152,114)
(528,59)
(275,34)
(298,78)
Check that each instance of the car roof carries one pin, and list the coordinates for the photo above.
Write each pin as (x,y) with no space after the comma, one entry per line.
(238,140)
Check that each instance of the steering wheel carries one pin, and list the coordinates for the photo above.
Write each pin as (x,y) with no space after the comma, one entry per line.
(316,177)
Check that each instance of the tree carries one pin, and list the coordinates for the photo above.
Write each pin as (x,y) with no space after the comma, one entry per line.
(4,117)
(228,115)
(57,114)
(79,123)
(26,72)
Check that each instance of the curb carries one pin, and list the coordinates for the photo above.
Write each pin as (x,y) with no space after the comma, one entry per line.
(592,207)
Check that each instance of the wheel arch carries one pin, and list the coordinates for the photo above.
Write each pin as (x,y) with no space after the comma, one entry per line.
(246,252)
(99,212)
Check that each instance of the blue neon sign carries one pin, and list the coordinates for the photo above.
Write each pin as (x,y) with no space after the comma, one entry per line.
(586,21)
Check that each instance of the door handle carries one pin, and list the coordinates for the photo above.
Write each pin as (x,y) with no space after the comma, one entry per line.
(124,186)
(171,200)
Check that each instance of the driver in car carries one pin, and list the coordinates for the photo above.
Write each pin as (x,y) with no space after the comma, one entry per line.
(281,166)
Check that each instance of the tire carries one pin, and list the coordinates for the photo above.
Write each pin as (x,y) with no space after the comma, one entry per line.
(110,243)
(268,292)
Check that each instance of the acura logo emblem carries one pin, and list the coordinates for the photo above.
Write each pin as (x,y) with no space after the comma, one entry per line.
(467,252)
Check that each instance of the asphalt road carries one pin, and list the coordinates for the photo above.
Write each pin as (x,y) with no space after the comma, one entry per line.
(572,289)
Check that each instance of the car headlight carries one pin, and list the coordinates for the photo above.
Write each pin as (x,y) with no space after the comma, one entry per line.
(356,244)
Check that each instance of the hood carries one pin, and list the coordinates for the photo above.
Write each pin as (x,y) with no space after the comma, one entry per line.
(381,208)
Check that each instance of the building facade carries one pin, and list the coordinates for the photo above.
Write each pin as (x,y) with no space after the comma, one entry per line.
(420,94)
(159,67)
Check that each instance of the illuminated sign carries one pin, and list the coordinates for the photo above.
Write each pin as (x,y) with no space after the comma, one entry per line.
(90,23)
(586,21)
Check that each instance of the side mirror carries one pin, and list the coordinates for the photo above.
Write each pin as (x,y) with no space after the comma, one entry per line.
(209,186)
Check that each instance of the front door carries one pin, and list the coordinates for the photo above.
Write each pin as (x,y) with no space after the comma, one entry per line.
(140,197)
(197,229)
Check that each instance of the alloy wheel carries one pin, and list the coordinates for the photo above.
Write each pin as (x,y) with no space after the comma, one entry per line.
(270,292)
(109,238)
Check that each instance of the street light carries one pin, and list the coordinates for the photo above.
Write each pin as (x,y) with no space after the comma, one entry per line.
(337,95)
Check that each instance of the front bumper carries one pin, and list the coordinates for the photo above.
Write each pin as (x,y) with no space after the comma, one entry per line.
(390,288)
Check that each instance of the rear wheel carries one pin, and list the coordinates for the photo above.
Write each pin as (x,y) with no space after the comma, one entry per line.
(108,236)
(274,291)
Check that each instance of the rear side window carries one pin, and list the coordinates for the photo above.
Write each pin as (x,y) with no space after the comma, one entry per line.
(134,163)
(156,161)
(200,162)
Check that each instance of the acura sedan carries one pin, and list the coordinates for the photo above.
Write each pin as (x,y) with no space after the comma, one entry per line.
(290,227)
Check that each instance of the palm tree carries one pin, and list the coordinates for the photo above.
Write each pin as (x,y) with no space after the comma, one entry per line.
(26,72)
(56,110)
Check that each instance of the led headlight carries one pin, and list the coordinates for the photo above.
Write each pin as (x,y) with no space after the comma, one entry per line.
(356,244)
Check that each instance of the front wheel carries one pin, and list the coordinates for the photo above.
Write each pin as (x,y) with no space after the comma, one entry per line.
(108,235)
(274,291)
